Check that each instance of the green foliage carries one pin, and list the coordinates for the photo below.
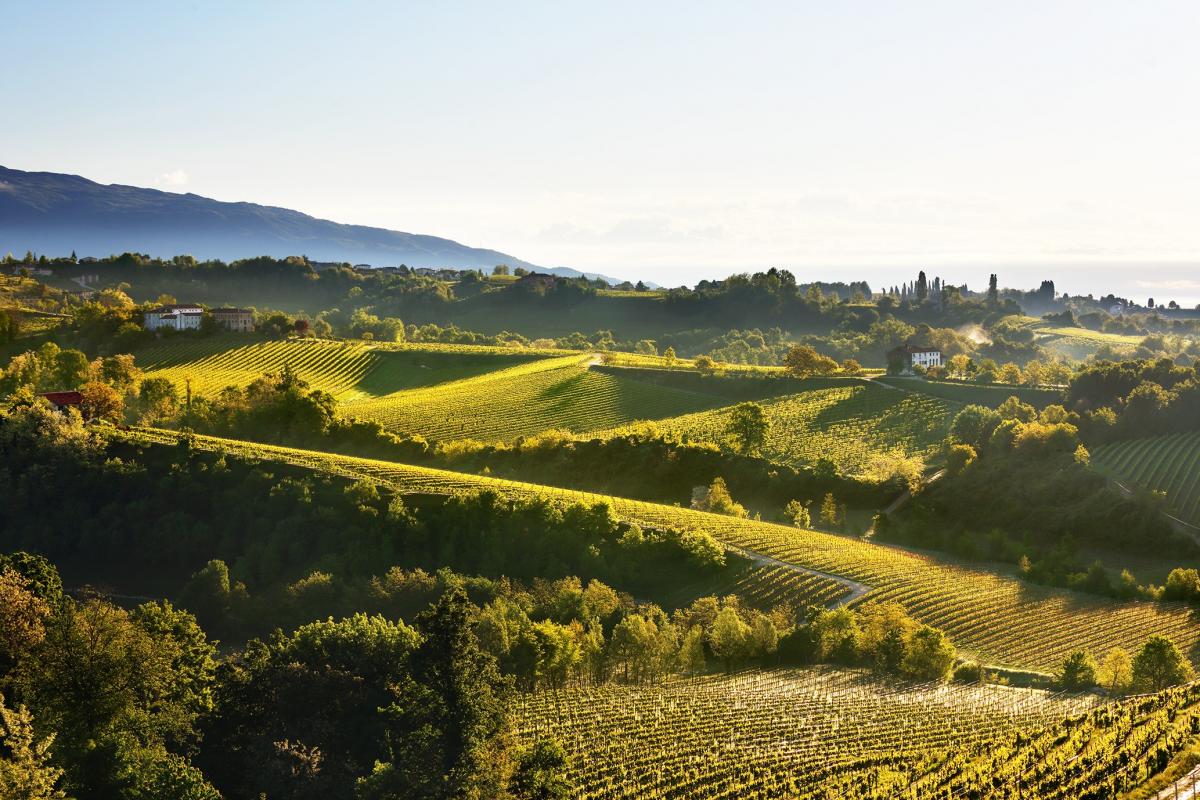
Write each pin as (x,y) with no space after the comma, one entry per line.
(298,715)
(1078,672)
(26,768)
(1159,664)
(748,427)
(540,772)
(446,722)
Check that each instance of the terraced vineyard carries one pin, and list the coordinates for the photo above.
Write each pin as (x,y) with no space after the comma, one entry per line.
(529,399)
(348,370)
(784,733)
(847,424)
(1169,464)
(994,618)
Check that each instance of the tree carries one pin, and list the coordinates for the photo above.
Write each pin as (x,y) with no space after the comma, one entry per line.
(101,401)
(23,618)
(111,691)
(715,498)
(1078,672)
(299,716)
(958,458)
(974,426)
(670,357)
(26,772)
(922,287)
(157,398)
(993,292)
(959,364)
(539,774)
(71,369)
(1116,671)
(748,427)
(830,514)
(729,638)
(802,361)
(446,725)
(1159,664)
(799,513)
(930,655)
(705,365)
(500,269)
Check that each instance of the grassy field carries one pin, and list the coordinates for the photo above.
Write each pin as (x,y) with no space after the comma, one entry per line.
(996,619)
(847,421)
(1168,464)
(778,733)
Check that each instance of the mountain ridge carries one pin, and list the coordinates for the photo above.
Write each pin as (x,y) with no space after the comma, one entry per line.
(52,212)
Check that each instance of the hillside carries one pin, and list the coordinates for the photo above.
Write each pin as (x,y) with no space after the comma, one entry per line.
(1168,464)
(53,213)
(994,618)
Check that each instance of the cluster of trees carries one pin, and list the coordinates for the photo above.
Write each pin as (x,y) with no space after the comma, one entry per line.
(1017,489)
(647,464)
(1158,665)
(100,702)
(1138,398)
(1035,373)
(106,383)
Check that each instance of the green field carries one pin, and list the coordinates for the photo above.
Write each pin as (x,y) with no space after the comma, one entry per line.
(348,370)
(1080,343)
(848,421)
(558,393)
(994,618)
(779,733)
(1168,464)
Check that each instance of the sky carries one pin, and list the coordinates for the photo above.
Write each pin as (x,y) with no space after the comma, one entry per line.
(671,141)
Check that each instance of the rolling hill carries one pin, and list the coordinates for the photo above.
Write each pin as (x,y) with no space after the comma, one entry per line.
(991,617)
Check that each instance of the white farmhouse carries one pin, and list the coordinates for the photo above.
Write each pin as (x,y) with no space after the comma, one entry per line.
(909,356)
(179,317)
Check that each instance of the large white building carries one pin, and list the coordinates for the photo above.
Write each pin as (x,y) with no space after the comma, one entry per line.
(909,356)
(180,318)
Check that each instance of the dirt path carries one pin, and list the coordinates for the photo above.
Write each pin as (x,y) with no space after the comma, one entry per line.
(857,589)
(1186,528)
(1186,788)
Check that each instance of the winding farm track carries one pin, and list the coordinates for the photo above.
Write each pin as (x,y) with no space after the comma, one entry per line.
(857,590)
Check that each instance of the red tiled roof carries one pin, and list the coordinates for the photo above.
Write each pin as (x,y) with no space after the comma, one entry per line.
(64,398)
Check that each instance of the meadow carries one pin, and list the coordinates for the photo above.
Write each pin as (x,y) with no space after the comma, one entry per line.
(991,617)
(1169,464)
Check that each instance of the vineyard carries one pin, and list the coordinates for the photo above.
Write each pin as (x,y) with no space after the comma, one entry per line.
(996,619)
(1080,343)
(818,733)
(848,424)
(968,393)
(1168,464)
(347,370)
(528,399)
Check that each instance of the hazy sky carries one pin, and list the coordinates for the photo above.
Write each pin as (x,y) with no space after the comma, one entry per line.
(661,139)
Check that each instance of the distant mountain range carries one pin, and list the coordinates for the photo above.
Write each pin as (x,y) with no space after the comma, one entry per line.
(55,214)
